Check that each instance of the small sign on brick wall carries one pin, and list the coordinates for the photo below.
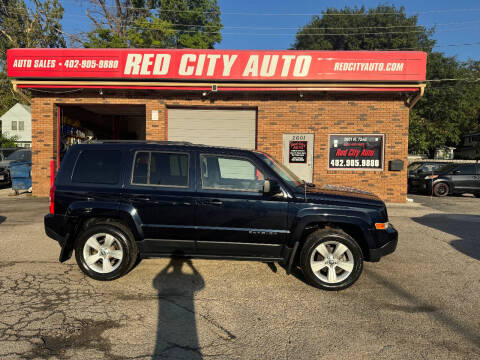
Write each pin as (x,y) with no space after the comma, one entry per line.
(155,115)
(356,152)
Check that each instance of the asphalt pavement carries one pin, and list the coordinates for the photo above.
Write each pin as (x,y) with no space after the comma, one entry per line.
(422,302)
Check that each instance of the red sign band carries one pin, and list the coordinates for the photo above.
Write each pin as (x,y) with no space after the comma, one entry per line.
(218,65)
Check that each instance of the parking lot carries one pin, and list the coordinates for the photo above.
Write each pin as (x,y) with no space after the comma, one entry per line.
(422,301)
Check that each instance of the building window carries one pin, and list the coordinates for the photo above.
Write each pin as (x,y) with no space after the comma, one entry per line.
(21,125)
(14,125)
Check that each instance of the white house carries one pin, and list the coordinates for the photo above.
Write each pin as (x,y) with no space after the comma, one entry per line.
(18,122)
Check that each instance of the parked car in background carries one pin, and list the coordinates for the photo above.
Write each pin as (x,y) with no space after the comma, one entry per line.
(453,179)
(113,202)
(4,176)
(20,155)
(4,152)
(419,169)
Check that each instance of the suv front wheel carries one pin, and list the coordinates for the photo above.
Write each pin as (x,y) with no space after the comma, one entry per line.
(331,259)
(106,251)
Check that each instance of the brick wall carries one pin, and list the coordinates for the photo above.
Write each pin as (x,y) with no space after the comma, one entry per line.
(321,114)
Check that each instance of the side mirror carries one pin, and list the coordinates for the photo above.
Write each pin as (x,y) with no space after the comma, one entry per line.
(271,187)
(457,172)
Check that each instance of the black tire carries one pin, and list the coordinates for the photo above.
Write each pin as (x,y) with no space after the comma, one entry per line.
(124,241)
(441,189)
(477,195)
(330,236)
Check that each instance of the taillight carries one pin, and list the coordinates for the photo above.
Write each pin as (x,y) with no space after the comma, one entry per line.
(52,199)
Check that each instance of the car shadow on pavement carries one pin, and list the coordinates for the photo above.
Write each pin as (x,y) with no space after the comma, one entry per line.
(2,219)
(465,227)
(177,334)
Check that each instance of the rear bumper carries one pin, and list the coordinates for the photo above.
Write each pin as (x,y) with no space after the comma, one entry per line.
(54,228)
(418,184)
(390,240)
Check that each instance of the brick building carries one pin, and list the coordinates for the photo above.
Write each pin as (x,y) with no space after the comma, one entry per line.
(332,117)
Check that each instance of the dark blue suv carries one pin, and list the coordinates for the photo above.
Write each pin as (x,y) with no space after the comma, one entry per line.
(114,202)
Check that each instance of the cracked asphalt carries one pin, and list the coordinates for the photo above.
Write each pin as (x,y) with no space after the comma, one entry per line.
(422,301)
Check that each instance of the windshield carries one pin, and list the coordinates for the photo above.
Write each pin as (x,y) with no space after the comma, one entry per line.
(20,155)
(281,170)
(414,166)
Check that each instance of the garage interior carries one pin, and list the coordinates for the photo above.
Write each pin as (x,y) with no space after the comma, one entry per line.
(81,123)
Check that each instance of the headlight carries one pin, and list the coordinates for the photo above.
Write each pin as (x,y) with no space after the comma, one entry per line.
(431,177)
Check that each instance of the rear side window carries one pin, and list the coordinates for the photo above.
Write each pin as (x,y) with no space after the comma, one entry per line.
(467,169)
(160,169)
(98,167)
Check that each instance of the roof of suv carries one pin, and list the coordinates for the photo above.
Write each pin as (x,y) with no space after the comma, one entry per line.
(140,143)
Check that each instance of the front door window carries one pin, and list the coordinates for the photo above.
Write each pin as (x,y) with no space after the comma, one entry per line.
(230,173)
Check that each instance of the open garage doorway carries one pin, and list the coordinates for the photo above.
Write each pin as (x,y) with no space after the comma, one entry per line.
(86,122)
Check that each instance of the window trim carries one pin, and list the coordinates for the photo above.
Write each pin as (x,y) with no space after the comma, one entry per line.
(131,183)
(234,157)
(16,125)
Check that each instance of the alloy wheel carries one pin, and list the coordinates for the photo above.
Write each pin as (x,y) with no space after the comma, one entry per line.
(332,262)
(102,253)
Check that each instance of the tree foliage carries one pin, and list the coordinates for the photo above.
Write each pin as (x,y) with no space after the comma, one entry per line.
(26,26)
(383,27)
(7,141)
(154,23)
(448,110)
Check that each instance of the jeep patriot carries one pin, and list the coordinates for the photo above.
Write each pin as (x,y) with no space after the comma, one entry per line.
(114,202)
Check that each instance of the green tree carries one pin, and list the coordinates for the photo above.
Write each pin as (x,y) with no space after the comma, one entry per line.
(154,23)
(26,26)
(7,141)
(197,23)
(383,27)
(448,110)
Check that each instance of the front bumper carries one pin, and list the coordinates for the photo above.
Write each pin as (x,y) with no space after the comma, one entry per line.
(5,178)
(389,239)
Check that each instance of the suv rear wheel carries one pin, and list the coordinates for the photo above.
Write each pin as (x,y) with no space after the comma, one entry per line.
(331,259)
(106,251)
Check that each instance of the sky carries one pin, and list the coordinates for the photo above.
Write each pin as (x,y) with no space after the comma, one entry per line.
(272,24)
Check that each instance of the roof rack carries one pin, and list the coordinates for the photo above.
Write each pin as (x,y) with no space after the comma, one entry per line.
(140,142)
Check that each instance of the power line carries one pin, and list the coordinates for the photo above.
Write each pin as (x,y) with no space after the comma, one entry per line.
(454,79)
(396,49)
(294,34)
(242,13)
(124,21)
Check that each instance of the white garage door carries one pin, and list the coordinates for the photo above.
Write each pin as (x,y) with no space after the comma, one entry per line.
(232,128)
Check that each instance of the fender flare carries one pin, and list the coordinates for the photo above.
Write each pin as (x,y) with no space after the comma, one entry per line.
(78,211)
(312,216)
(450,184)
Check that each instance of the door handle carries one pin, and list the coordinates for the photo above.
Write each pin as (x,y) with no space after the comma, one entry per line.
(142,198)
